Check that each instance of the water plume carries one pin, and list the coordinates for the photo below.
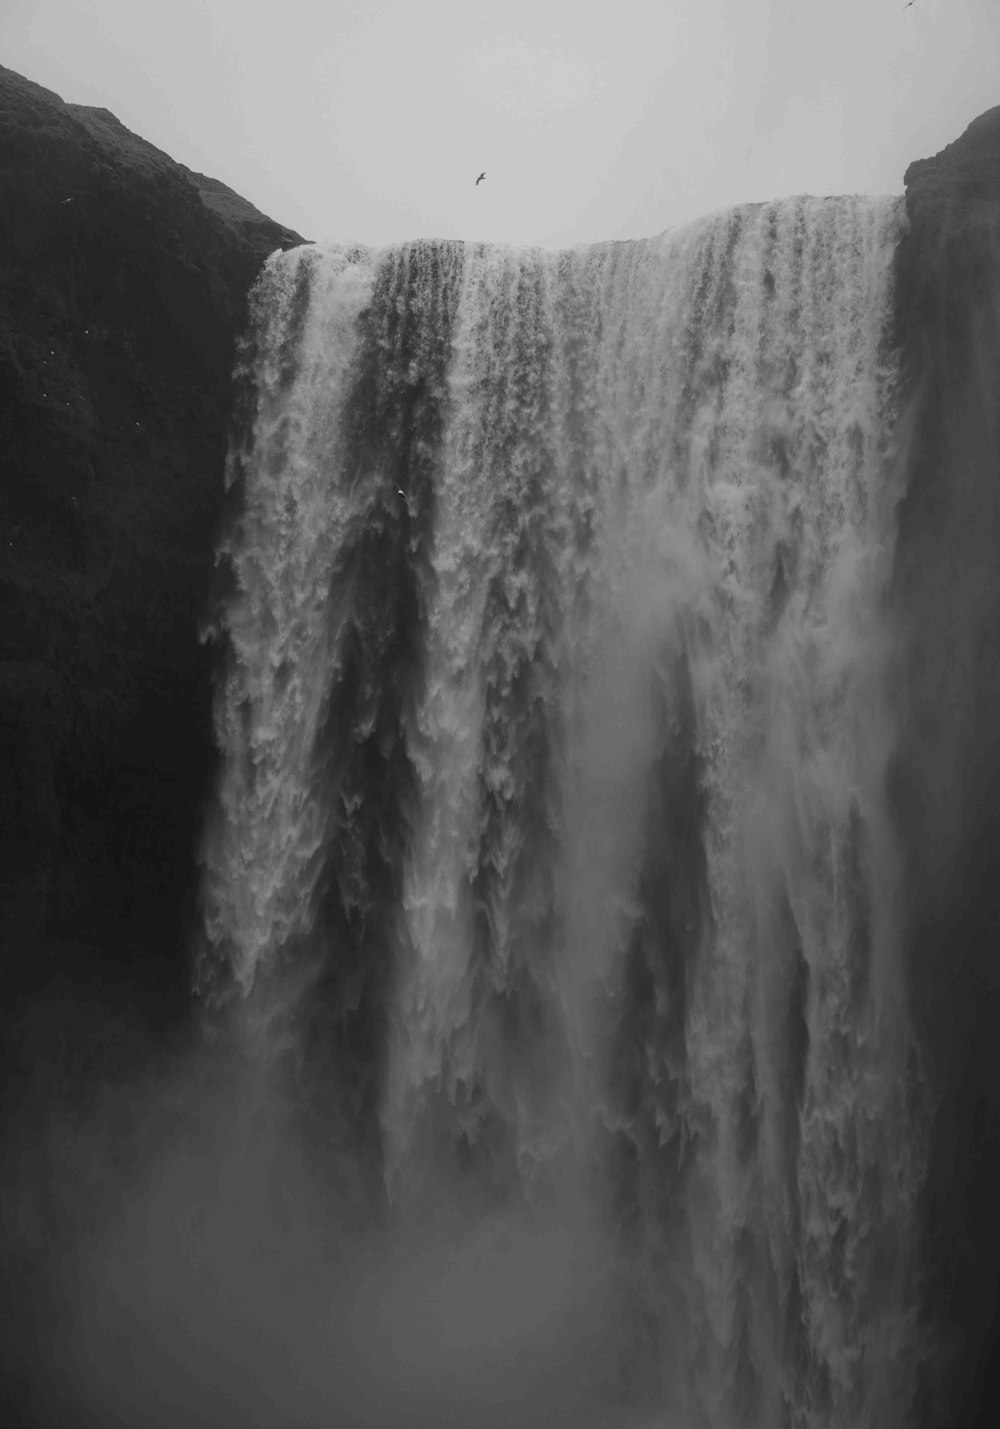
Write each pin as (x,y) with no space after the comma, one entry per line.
(555,725)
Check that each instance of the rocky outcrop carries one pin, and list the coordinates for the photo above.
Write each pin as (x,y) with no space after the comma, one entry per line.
(947,779)
(957,187)
(123,282)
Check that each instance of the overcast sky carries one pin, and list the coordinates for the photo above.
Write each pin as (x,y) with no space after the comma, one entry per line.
(369,120)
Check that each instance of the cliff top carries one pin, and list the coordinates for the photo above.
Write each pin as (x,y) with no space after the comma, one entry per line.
(966,172)
(87,147)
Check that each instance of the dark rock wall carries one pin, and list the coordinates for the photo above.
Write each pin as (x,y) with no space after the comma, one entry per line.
(946,783)
(123,279)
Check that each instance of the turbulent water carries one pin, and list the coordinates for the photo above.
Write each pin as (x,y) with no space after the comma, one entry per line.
(555,724)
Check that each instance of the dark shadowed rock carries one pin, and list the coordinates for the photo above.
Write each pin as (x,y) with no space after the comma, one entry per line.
(965,174)
(123,282)
(946,782)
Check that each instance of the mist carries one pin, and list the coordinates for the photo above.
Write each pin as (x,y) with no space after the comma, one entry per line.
(179,1251)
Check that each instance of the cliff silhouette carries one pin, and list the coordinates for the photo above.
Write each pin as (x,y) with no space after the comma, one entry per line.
(123,282)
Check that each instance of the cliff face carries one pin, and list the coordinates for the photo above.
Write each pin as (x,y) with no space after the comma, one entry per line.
(947,777)
(123,279)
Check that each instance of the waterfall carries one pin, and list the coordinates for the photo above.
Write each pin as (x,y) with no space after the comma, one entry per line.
(555,719)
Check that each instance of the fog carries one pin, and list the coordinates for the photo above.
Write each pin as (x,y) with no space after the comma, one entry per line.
(178,1251)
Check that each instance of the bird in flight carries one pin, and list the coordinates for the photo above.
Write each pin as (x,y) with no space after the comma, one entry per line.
(480,179)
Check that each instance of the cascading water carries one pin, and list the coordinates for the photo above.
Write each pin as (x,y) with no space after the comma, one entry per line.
(555,726)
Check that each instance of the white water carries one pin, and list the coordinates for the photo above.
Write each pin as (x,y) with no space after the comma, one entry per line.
(642,946)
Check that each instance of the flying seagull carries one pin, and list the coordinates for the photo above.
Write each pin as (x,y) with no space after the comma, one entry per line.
(480,179)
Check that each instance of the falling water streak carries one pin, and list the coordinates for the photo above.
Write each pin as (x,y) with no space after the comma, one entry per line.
(435,994)
(802,549)
(647,894)
(263,851)
(475,895)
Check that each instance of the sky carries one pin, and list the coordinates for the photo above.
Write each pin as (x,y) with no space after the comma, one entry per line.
(368,120)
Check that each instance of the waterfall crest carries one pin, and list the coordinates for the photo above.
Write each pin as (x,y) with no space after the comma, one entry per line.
(555,724)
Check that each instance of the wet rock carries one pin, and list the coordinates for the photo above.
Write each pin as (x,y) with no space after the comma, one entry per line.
(946,778)
(123,282)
